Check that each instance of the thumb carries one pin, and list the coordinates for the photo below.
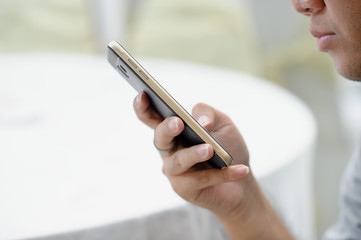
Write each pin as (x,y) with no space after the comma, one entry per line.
(210,118)
(204,115)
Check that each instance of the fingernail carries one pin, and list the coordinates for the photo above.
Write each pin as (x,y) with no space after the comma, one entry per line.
(203,150)
(242,170)
(203,120)
(138,98)
(173,125)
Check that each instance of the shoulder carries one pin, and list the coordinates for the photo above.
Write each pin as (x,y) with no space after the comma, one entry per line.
(349,222)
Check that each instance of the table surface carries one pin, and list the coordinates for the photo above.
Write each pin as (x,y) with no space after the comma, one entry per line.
(73,154)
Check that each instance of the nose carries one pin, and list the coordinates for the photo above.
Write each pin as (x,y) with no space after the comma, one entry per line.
(308,7)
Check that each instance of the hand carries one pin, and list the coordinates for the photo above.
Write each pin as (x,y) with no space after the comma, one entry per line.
(221,191)
(232,193)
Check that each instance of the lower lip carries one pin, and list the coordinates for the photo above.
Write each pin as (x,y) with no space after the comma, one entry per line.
(324,41)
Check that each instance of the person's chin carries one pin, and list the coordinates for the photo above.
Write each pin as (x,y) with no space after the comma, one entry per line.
(349,71)
(346,63)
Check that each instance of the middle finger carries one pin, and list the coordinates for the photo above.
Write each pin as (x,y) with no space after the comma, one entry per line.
(185,158)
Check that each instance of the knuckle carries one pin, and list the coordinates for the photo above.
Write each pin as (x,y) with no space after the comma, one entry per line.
(160,132)
(204,177)
(225,175)
(177,187)
(140,116)
(167,169)
(171,165)
(177,162)
(199,105)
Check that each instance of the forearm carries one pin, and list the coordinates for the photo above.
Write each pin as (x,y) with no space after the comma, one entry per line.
(255,219)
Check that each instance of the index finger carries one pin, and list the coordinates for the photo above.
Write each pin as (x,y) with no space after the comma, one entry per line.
(166,131)
(145,112)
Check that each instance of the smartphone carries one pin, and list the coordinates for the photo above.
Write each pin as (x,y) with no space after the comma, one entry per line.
(164,103)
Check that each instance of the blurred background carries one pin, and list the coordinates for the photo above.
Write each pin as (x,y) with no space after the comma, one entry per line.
(264,38)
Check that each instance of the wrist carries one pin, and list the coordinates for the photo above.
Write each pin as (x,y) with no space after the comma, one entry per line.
(251,204)
(254,217)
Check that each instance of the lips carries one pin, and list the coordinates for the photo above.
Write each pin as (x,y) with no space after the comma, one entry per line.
(324,39)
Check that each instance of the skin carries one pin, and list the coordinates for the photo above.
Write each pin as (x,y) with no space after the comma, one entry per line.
(342,20)
(233,194)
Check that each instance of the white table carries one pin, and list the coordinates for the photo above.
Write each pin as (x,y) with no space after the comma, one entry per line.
(74,156)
